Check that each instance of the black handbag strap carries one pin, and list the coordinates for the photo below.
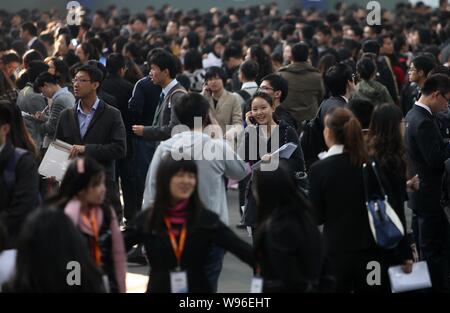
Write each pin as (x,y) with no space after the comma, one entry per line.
(365,170)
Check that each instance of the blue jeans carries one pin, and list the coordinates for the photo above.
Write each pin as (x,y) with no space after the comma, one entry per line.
(214,266)
(143,155)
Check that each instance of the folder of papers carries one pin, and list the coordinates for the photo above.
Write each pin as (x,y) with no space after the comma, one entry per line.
(284,152)
(419,278)
(56,160)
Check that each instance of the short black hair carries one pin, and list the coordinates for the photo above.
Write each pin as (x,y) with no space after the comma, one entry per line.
(249,69)
(362,109)
(278,83)
(371,46)
(423,63)
(189,107)
(35,68)
(366,67)
(140,17)
(436,82)
(215,71)
(232,50)
(6,116)
(11,56)
(30,28)
(336,79)
(286,30)
(44,78)
(94,72)
(440,69)
(193,60)
(300,52)
(164,60)
(114,63)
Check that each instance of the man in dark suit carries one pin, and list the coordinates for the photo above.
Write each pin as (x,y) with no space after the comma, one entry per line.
(339,81)
(163,69)
(121,90)
(427,153)
(28,34)
(94,128)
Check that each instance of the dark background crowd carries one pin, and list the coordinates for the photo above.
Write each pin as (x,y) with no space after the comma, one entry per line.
(115,86)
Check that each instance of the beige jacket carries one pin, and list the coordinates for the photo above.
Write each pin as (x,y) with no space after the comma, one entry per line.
(228,110)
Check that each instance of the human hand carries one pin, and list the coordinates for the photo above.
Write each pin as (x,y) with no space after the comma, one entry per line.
(407,266)
(76,150)
(138,130)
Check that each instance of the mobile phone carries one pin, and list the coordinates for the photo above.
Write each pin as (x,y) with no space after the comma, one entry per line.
(253,120)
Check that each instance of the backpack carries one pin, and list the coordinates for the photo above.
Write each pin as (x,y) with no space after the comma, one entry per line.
(244,94)
(9,173)
(312,140)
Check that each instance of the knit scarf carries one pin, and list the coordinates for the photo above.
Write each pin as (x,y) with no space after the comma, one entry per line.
(177,215)
(73,211)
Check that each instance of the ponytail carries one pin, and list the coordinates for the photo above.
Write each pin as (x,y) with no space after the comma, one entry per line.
(347,131)
(354,142)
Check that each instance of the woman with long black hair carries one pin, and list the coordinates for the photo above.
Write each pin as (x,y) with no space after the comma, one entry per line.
(289,248)
(263,136)
(82,197)
(178,232)
(386,148)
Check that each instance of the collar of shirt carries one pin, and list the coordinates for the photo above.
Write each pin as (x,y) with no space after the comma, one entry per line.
(94,107)
(334,150)
(1,147)
(345,98)
(31,42)
(169,87)
(426,107)
(249,85)
(60,91)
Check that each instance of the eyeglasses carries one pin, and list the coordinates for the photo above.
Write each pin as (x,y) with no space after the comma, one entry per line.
(74,81)
(265,88)
(443,96)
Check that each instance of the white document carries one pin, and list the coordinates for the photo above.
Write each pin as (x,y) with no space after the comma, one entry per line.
(419,278)
(284,152)
(56,160)
(7,265)
(257,285)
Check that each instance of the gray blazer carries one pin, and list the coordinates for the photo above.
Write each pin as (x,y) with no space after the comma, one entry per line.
(31,102)
(63,100)
(165,118)
(105,138)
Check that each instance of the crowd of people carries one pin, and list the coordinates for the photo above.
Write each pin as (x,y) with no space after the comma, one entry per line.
(140,98)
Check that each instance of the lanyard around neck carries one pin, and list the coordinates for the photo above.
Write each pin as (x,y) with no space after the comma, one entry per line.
(177,248)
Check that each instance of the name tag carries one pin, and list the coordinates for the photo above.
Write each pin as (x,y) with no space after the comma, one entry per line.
(257,285)
(178,282)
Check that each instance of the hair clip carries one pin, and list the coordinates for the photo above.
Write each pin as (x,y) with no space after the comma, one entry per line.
(80,166)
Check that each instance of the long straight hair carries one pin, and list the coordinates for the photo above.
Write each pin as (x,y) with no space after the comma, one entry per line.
(49,243)
(385,141)
(347,131)
(167,169)
(76,180)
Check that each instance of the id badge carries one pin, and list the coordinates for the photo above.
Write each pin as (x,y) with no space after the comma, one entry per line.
(257,285)
(178,282)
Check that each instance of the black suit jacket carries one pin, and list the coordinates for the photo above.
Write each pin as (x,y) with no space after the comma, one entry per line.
(427,153)
(105,138)
(209,230)
(24,197)
(337,194)
(39,46)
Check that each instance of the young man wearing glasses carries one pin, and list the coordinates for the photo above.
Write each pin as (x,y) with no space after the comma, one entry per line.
(94,128)
(427,153)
